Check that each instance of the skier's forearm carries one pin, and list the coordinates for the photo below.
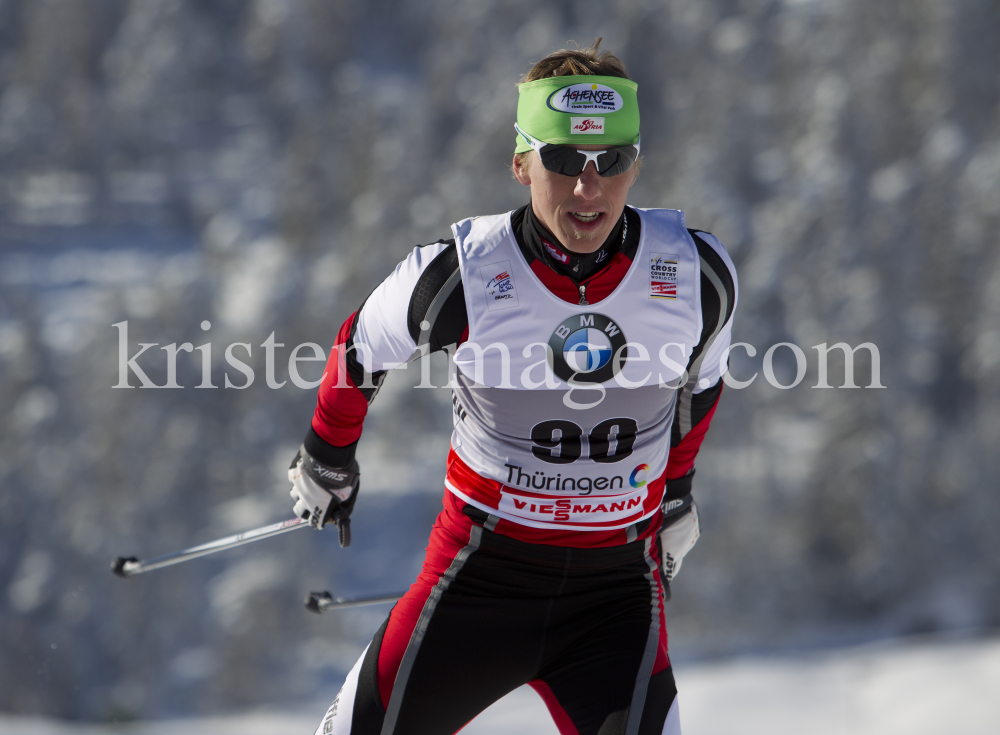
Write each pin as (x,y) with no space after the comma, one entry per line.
(684,448)
(341,406)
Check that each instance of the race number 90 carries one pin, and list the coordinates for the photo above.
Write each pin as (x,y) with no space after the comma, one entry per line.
(561,442)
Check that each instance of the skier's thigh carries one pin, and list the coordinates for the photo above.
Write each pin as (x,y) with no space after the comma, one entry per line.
(437,693)
(593,690)
(604,678)
(467,659)
(589,712)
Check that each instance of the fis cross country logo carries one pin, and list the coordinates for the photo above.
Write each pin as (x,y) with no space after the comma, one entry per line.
(663,276)
(587,348)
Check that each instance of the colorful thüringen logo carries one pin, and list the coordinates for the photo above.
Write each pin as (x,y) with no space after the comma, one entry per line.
(634,480)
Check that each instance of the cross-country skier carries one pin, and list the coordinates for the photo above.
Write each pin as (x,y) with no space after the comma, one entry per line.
(591,342)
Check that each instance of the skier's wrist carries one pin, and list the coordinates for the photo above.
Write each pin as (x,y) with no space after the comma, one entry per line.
(679,486)
(329,454)
(677,498)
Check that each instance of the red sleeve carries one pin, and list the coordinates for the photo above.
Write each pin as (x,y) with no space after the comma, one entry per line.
(683,453)
(341,407)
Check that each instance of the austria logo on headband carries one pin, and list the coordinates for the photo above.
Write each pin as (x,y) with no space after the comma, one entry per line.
(586,125)
(585,98)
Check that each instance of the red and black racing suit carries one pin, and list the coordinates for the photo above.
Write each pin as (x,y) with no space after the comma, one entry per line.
(578,615)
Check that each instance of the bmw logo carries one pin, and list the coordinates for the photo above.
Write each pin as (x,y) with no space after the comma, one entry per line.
(584,348)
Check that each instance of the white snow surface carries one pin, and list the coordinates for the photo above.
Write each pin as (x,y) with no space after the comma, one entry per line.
(914,687)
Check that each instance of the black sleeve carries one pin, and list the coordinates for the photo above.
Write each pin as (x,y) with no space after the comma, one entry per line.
(437,316)
(718,297)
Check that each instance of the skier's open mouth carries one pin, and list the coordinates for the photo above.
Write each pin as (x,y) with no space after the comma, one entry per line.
(586,218)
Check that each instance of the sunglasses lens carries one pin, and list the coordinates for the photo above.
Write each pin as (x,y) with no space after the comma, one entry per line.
(563,160)
(616,160)
(568,161)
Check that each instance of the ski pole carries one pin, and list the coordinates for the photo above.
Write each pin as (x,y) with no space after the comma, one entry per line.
(130,566)
(320,602)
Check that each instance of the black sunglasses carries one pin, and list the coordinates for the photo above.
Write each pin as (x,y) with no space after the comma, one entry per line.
(568,161)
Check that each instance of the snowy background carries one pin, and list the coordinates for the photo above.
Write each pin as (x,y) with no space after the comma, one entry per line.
(261,166)
(912,687)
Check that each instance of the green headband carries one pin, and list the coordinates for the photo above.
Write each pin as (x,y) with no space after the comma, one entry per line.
(578,110)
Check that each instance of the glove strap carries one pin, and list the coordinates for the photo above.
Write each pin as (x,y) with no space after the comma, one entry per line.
(677,489)
(674,509)
(343,521)
(677,499)
(326,475)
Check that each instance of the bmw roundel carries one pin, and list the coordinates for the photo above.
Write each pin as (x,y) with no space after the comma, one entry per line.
(587,348)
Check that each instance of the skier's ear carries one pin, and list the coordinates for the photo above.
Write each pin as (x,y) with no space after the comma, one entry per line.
(520,166)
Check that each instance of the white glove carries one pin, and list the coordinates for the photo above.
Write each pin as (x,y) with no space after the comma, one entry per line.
(676,540)
(324,494)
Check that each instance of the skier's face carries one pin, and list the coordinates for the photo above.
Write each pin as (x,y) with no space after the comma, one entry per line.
(579,210)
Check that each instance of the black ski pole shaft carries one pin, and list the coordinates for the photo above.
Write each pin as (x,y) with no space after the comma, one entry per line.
(320,602)
(130,566)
